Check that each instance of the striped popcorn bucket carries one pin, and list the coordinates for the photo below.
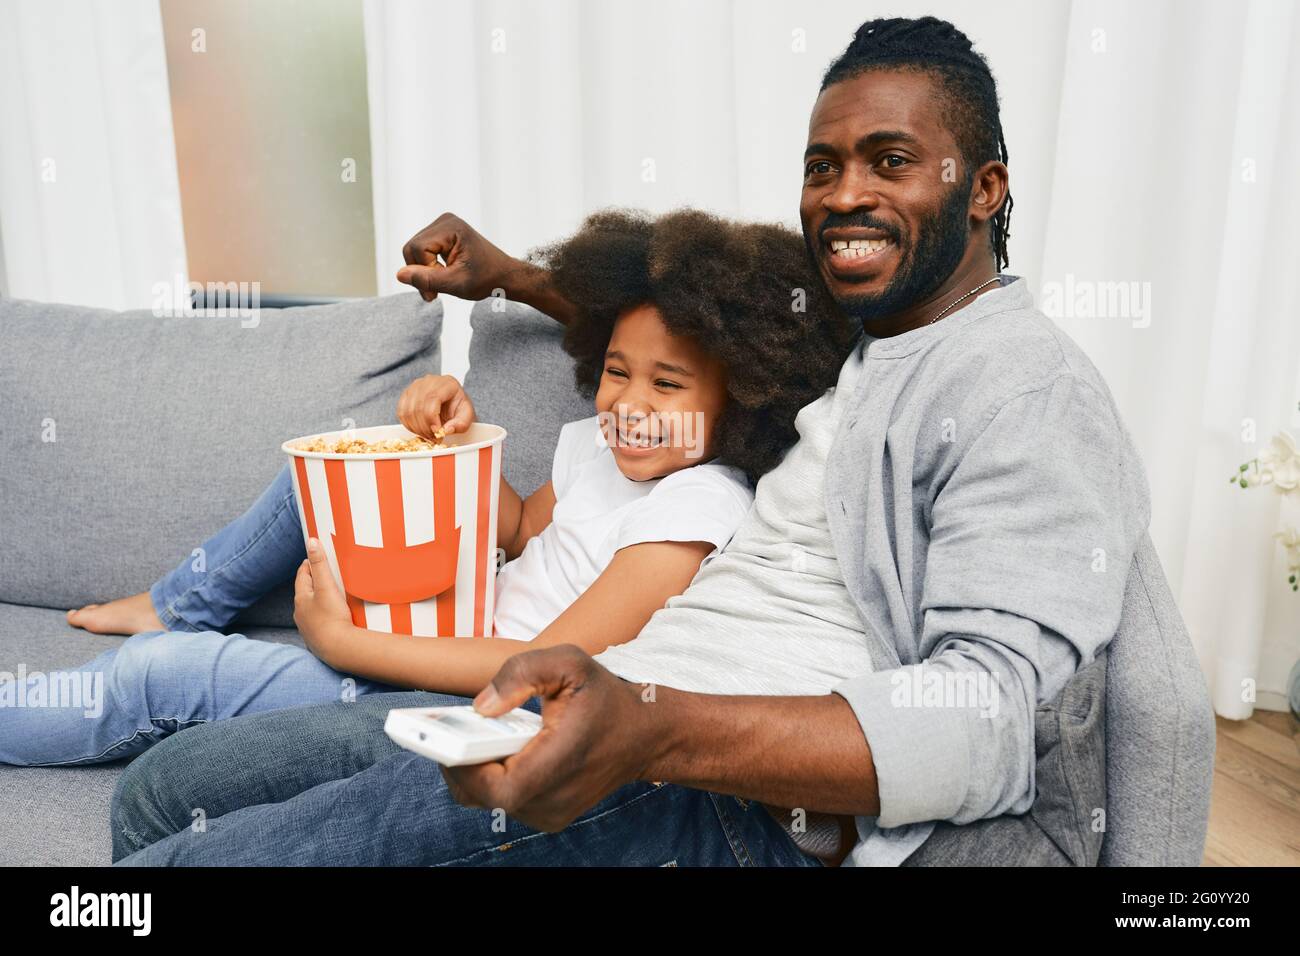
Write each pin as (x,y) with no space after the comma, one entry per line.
(410,536)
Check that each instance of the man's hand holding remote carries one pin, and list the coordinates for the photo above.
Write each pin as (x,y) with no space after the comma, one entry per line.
(597,735)
(600,732)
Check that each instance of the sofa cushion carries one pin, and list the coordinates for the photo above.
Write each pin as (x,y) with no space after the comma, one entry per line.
(58,816)
(1160,750)
(129,439)
(521,379)
(1064,826)
(51,819)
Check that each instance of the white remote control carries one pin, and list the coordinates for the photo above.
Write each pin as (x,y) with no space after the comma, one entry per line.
(459,735)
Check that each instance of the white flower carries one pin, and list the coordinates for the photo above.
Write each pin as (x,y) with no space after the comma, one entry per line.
(1290,539)
(1283,459)
(1278,465)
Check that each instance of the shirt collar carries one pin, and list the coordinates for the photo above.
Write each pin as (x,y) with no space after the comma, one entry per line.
(1011,293)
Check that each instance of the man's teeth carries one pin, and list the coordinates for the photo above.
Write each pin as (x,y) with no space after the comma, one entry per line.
(857,248)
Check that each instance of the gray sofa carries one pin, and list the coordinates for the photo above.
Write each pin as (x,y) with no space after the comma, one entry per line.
(129,438)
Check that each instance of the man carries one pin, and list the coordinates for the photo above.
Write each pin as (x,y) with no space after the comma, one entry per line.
(943,550)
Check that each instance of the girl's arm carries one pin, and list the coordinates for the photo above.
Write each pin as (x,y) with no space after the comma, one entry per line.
(638,582)
(519,520)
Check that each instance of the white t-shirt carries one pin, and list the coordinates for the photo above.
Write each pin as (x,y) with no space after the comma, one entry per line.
(771,614)
(598,511)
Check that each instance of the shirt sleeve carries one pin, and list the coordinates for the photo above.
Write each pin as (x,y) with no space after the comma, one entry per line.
(700,503)
(579,442)
(1031,540)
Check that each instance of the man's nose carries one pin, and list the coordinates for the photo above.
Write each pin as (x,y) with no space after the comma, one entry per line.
(855,190)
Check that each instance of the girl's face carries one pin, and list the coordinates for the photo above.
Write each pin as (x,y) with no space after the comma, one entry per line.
(659,397)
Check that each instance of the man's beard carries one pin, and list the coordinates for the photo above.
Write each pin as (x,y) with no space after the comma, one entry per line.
(927,260)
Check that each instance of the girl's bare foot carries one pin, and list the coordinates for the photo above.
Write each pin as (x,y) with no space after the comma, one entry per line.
(129,615)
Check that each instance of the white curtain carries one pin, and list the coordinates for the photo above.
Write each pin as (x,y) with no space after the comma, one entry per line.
(1174,166)
(90,207)
(1150,145)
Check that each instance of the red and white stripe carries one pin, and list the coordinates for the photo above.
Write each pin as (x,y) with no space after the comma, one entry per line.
(407,500)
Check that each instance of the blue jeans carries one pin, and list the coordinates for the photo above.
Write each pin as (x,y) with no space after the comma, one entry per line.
(240,563)
(157,683)
(324,786)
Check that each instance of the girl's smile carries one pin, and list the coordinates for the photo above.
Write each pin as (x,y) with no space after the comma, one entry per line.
(658,397)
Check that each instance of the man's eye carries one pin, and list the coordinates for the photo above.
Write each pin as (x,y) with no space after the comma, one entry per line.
(818,167)
(894,161)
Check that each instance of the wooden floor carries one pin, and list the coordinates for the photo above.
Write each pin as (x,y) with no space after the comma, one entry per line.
(1255,806)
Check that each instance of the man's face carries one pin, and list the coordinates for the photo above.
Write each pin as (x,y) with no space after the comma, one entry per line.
(882,217)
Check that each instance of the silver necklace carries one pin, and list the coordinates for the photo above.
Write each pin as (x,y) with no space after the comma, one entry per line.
(963,296)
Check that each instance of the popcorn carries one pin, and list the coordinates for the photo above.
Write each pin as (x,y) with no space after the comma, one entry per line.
(356,446)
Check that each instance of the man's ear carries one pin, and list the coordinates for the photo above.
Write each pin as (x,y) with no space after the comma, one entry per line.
(989,191)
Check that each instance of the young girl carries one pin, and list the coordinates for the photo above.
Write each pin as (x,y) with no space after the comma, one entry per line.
(699,340)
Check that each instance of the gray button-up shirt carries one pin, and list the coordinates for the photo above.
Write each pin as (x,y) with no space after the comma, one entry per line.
(986,502)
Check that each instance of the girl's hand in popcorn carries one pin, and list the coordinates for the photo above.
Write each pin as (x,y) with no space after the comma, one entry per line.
(319,607)
(435,404)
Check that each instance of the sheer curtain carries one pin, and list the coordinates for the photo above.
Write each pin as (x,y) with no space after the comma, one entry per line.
(90,208)
(1149,153)
(1174,166)
(1148,146)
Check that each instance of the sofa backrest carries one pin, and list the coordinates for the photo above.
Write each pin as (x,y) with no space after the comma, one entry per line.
(128,439)
(521,379)
(1159,730)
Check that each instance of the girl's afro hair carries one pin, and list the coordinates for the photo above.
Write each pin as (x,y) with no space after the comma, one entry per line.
(747,293)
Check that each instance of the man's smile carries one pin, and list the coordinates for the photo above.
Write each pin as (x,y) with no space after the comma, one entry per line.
(856,253)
